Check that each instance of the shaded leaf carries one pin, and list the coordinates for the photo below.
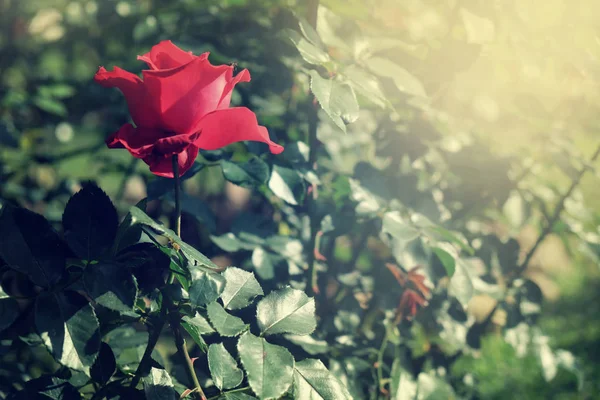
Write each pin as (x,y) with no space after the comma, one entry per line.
(68,325)
(252,173)
(105,365)
(9,310)
(158,385)
(29,245)
(111,285)
(90,222)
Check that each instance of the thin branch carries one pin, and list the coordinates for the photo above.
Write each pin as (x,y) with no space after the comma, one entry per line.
(313,144)
(558,209)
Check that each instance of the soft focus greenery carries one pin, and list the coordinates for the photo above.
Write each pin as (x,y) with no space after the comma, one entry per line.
(476,114)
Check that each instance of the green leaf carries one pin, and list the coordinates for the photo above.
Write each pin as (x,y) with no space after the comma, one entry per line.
(196,327)
(405,82)
(128,345)
(287,184)
(47,387)
(263,263)
(29,245)
(158,385)
(223,368)
(206,287)
(309,344)
(128,234)
(193,255)
(236,396)
(461,284)
(67,324)
(399,227)
(297,152)
(402,384)
(269,367)
(225,323)
(433,388)
(336,98)
(286,311)
(447,258)
(9,310)
(111,285)
(311,53)
(366,84)
(252,173)
(309,32)
(90,222)
(50,105)
(199,323)
(241,288)
(105,365)
(312,380)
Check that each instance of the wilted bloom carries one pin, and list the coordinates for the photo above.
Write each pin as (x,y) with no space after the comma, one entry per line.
(408,304)
(415,291)
(180,106)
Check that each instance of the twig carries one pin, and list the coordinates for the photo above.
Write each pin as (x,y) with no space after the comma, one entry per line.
(144,366)
(313,144)
(556,214)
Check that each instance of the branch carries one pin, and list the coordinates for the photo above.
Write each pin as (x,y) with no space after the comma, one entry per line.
(313,144)
(556,214)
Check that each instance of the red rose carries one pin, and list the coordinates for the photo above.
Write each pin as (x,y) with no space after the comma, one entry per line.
(180,106)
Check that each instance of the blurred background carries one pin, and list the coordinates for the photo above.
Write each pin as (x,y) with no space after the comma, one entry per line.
(511,116)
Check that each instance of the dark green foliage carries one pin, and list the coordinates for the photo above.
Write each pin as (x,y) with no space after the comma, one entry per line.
(385,254)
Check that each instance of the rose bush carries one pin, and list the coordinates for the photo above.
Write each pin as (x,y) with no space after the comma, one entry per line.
(180,106)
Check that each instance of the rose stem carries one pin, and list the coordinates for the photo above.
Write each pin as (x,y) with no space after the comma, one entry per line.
(175,323)
(177,196)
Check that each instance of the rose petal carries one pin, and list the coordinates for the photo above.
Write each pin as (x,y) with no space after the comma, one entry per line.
(162,165)
(223,127)
(166,55)
(183,95)
(134,91)
(243,76)
(138,141)
(174,144)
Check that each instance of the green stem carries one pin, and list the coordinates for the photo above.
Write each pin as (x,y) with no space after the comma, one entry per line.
(198,393)
(174,315)
(177,196)
(144,366)
(380,354)
(313,144)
